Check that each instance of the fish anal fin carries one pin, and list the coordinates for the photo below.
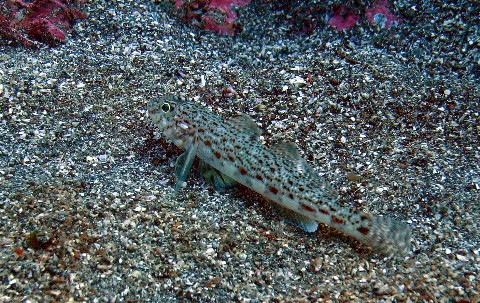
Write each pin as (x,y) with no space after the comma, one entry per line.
(299,220)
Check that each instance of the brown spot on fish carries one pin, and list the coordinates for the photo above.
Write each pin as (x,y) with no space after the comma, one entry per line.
(260,161)
(208,143)
(337,220)
(272,169)
(301,189)
(363,230)
(273,189)
(243,171)
(231,158)
(238,147)
(224,139)
(307,207)
(291,196)
(259,177)
(201,130)
(324,211)
(218,155)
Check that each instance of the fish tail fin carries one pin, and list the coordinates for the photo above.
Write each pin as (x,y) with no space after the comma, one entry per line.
(389,236)
(382,234)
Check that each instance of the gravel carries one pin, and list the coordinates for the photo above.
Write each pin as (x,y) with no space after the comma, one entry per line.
(389,117)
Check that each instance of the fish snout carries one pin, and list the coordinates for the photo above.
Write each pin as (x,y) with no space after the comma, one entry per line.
(153,107)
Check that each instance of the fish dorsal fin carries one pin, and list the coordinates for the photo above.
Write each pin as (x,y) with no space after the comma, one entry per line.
(289,152)
(247,125)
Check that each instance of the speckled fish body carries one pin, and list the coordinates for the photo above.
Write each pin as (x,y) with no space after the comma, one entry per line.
(279,173)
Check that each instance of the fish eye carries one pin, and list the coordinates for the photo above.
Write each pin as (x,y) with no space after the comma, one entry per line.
(166,107)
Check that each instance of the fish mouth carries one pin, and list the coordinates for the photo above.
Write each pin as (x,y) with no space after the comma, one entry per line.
(154,111)
(153,107)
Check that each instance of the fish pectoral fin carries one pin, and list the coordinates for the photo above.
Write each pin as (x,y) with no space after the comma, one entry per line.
(184,164)
(214,177)
(301,221)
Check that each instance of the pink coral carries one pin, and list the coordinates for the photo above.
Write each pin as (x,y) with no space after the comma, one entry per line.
(343,19)
(46,21)
(215,15)
(7,31)
(380,15)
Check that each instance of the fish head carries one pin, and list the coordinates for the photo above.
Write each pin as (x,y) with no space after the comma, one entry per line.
(171,118)
(162,112)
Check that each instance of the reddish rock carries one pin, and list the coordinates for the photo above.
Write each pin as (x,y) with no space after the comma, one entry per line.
(343,19)
(44,21)
(381,16)
(214,15)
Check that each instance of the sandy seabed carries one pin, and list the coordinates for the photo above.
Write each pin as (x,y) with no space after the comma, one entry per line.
(389,117)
